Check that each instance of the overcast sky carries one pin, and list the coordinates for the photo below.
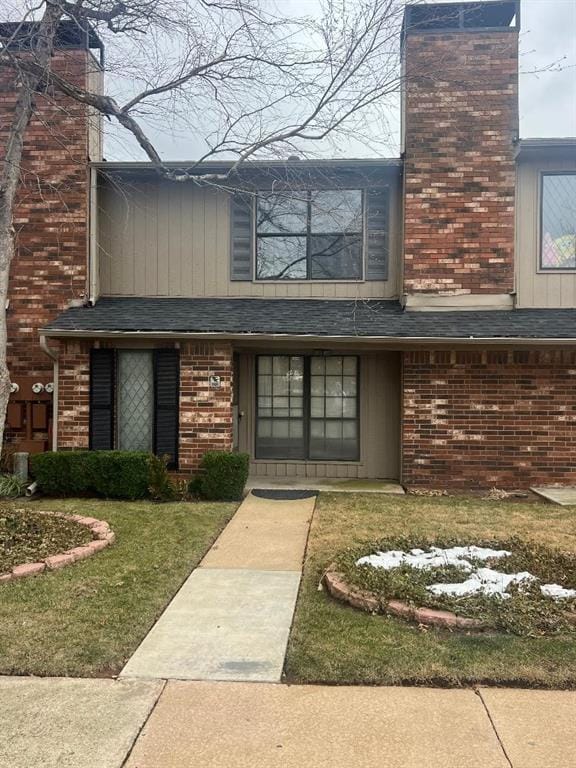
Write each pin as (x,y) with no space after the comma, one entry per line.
(547,86)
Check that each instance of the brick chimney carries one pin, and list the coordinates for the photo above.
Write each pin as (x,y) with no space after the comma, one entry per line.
(50,268)
(460,123)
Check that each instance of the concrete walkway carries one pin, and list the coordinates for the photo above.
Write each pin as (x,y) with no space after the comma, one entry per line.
(65,723)
(231,619)
(210,725)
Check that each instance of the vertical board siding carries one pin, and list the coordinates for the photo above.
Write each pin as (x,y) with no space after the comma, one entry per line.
(379,424)
(157,238)
(534,288)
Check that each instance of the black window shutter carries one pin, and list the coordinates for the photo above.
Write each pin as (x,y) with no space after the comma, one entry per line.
(377,234)
(166,404)
(241,236)
(102,374)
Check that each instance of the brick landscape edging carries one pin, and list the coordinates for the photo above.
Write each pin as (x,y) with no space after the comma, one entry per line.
(104,536)
(365,601)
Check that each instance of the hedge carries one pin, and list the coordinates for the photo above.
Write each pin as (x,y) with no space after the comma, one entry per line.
(223,476)
(111,474)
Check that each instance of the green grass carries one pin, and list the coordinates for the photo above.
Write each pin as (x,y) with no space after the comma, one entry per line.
(87,619)
(333,643)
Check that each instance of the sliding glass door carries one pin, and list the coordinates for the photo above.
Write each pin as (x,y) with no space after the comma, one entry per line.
(307,407)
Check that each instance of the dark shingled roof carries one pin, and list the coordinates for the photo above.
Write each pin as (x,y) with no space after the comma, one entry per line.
(311,317)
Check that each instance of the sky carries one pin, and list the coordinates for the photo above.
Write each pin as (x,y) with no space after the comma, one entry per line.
(547,87)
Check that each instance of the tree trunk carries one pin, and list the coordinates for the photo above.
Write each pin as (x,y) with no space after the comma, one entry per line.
(9,180)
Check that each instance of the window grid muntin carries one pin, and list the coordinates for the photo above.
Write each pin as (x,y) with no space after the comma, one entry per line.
(307,419)
(541,266)
(309,234)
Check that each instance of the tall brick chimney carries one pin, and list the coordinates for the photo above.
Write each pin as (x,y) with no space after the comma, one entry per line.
(50,268)
(460,122)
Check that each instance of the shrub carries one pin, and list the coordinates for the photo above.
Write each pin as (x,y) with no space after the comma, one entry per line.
(63,473)
(224,475)
(111,474)
(160,486)
(121,474)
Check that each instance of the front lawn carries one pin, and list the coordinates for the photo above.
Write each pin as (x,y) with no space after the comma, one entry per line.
(88,618)
(333,643)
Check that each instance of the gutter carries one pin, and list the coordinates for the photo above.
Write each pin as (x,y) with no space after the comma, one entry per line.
(395,340)
(54,354)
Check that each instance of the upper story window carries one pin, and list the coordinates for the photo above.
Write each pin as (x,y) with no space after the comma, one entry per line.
(558,221)
(310,235)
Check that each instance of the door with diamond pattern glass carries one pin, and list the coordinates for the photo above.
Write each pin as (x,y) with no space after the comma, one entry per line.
(135,400)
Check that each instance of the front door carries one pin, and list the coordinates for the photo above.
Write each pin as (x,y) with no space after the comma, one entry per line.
(307,407)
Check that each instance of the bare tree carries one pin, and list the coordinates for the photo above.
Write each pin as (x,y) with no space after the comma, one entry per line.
(250,82)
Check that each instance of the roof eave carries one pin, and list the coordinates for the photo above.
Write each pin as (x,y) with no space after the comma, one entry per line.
(396,340)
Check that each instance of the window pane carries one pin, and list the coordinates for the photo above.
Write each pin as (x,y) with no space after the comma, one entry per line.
(317,407)
(337,211)
(317,366)
(349,386)
(342,447)
(349,365)
(336,257)
(282,436)
(283,212)
(135,400)
(281,258)
(334,386)
(264,365)
(334,407)
(559,221)
(334,437)
(334,366)
(317,386)
(349,407)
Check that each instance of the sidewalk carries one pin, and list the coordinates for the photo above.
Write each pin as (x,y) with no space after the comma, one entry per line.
(231,619)
(65,723)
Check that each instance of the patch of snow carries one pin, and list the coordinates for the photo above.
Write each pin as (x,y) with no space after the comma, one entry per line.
(436,557)
(485,581)
(557,592)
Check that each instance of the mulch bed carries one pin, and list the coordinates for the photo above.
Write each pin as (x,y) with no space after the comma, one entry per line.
(27,537)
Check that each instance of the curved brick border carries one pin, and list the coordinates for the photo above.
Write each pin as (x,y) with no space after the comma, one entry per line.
(103,537)
(365,601)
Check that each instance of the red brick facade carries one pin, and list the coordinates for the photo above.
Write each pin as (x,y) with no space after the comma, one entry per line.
(460,119)
(50,268)
(205,410)
(505,419)
(74,394)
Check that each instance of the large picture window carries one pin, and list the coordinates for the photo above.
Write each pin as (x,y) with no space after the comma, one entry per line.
(310,235)
(558,221)
(307,407)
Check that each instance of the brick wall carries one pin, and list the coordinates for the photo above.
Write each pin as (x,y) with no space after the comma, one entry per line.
(51,217)
(504,419)
(205,413)
(50,267)
(461,117)
(74,394)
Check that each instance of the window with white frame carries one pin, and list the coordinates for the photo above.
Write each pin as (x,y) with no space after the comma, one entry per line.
(558,221)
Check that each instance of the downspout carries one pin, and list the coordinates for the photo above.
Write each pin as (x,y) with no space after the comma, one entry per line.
(54,354)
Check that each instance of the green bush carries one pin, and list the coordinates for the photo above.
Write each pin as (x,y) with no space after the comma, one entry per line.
(63,473)
(223,476)
(160,486)
(111,474)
